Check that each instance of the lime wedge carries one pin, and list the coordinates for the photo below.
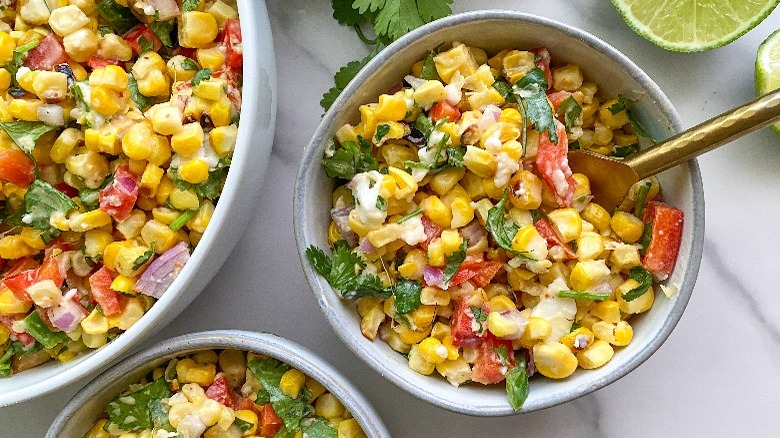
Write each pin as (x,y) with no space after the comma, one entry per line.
(693,25)
(768,67)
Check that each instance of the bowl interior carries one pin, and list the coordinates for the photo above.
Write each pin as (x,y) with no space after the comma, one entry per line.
(613,73)
(253,147)
(87,405)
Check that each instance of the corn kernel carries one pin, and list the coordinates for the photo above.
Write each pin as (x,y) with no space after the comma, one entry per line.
(479,161)
(292,382)
(189,140)
(210,58)
(197,29)
(608,311)
(568,223)
(190,372)
(10,304)
(458,59)
(429,93)
(95,323)
(89,220)
(578,339)
(554,360)
(641,304)
(328,406)
(136,141)
(597,215)
(25,109)
(589,245)
(596,355)
(250,417)
(160,234)
(81,44)
(436,211)
(194,171)
(627,226)
(7,46)
(588,274)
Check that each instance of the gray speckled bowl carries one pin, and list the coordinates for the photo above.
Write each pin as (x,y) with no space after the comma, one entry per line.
(602,64)
(86,407)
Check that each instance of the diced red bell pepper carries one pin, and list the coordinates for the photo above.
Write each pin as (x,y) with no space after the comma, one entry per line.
(108,299)
(462,326)
(661,254)
(48,53)
(432,231)
(16,167)
(444,109)
(544,64)
(479,273)
(270,423)
(488,368)
(219,391)
(118,198)
(134,35)
(98,62)
(19,282)
(550,234)
(231,38)
(553,163)
(557,98)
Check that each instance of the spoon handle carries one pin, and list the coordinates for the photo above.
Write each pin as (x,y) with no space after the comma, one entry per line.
(708,135)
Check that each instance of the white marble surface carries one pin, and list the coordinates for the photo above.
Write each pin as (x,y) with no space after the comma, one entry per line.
(717,375)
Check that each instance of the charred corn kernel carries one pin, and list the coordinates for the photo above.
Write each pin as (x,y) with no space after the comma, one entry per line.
(65,143)
(370,322)
(50,86)
(25,109)
(458,59)
(501,303)
(95,323)
(190,372)
(597,354)
(641,304)
(607,311)
(7,46)
(150,180)
(223,139)
(554,360)
(5,80)
(418,363)
(222,12)
(315,387)
(10,305)
(589,245)
(136,142)
(211,89)
(429,93)
(627,226)
(123,284)
(131,313)
(597,215)
(250,417)
(194,171)
(202,217)
(104,100)
(567,78)
(197,29)
(588,274)
(578,339)
(443,181)
(328,406)
(479,161)
(112,46)
(66,20)
(189,140)
(350,428)
(616,120)
(161,151)
(97,430)
(292,383)
(500,325)
(88,221)
(436,211)
(516,64)
(80,44)
(432,351)
(433,296)
(568,223)
(160,234)
(131,226)
(210,58)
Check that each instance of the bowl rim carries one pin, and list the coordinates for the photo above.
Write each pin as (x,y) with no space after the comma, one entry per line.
(269,344)
(349,336)
(246,162)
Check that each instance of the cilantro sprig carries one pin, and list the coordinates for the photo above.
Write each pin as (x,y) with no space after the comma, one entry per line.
(502,230)
(624,103)
(645,280)
(388,21)
(134,411)
(517,383)
(350,159)
(454,261)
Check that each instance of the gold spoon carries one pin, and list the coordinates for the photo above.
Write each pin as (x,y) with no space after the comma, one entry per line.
(611,179)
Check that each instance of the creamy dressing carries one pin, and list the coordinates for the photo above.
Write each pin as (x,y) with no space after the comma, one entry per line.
(365,189)
(413,231)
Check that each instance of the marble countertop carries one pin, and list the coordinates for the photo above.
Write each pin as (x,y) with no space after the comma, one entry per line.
(718,373)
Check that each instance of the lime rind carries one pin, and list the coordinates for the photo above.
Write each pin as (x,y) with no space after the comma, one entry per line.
(768,67)
(624,8)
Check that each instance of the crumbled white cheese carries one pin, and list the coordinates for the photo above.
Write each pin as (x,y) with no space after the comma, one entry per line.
(505,168)
(365,189)
(413,231)
(670,290)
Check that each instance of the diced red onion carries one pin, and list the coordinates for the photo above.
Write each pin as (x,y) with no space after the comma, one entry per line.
(341,217)
(414,81)
(434,277)
(518,321)
(530,366)
(165,9)
(162,271)
(474,232)
(490,115)
(68,314)
(51,114)
(366,247)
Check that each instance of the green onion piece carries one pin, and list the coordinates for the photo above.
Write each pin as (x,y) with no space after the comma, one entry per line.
(582,295)
(182,219)
(34,325)
(641,199)
(409,216)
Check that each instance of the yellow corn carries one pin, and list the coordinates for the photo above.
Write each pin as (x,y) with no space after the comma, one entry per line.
(567,78)
(25,109)
(614,121)
(429,93)
(292,382)
(123,284)
(596,355)
(249,417)
(197,29)
(578,339)
(7,46)
(500,325)
(50,86)
(160,234)
(528,240)
(10,305)
(568,223)
(315,387)
(619,334)
(112,250)
(588,274)
(627,226)
(194,171)
(89,220)
(81,44)
(641,304)
(436,211)
(189,140)
(5,80)
(136,142)
(190,372)
(597,215)
(202,218)
(412,268)
(479,161)
(161,151)
(432,351)
(97,430)
(95,323)
(210,58)
(418,363)
(350,428)
(457,59)
(434,296)
(211,89)
(554,360)
(328,406)
(370,322)
(607,311)
(104,100)
(536,330)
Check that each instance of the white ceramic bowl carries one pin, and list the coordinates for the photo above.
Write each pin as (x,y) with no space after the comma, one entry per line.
(87,406)
(613,73)
(250,158)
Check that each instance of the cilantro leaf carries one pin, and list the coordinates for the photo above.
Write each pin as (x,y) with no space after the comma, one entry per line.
(211,187)
(120,18)
(570,110)
(396,18)
(349,160)
(25,134)
(582,295)
(242,425)
(431,10)
(201,75)
(163,31)
(645,280)
(503,354)
(342,78)
(319,429)
(41,201)
(624,151)
(381,132)
(344,272)
(345,14)
(188,64)
(517,383)
(429,71)
(424,125)
(381,203)
(133,411)
(143,258)
(623,103)
(407,296)
(146,45)
(141,101)
(190,5)
(159,414)
(291,410)
(17,59)
(502,230)
(5,360)
(530,90)
(479,316)
(104,30)
(34,325)
(364,6)
(454,261)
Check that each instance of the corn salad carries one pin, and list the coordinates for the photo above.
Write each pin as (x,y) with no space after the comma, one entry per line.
(118,121)
(226,394)
(465,239)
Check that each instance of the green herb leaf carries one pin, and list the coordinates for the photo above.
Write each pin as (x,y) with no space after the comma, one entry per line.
(201,75)
(319,429)
(624,103)
(454,261)
(429,71)
(641,198)
(344,272)
(143,258)
(25,134)
(141,101)
(41,201)
(242,425)
(381,204)
(159,414)
(424,125)
(345,14)
(409,216)
(291,410)
(349,160)
(381,131)
(133,411)
(479,316)
(104,30)
(503,354)
(182,219)
(570,109)
(188,64)
(582,295)
(163,31)
(120,18)
(647,236)
(502,230)
(504,89)
(517,383)
(407,296)
(190,5)
(645,280)
(624,151)
(342,79)
(146,45)
(34,325)
(530,91)
(209,189)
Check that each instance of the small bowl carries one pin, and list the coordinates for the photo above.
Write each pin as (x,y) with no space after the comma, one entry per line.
(86,407)
(250,159)
(614,73)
